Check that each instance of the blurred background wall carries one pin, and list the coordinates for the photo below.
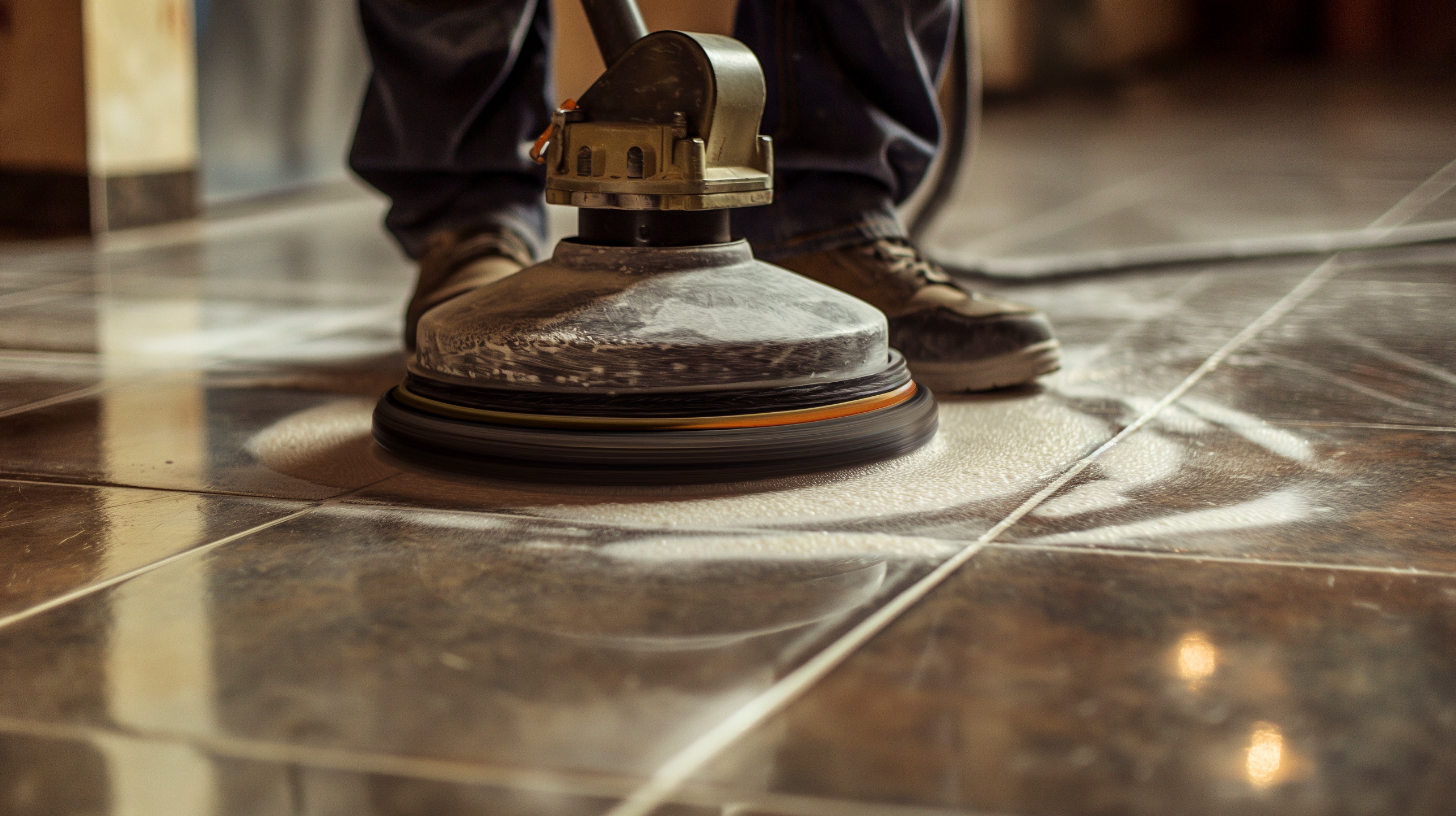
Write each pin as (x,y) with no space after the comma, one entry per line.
(279,86)
(280,80)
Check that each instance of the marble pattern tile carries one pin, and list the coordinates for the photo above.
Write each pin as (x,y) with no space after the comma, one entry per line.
(198,431)
(1372,346)
(29,378)
(63,772)
(1057,683)
(1327,439)
(59,538)
(1244,607)
(1171,162)
(1207,479)
(454,637)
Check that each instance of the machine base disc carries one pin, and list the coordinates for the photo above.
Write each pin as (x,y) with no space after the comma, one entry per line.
(653,456)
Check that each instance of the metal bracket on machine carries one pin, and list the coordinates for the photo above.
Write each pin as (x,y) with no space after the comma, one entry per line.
(671,125)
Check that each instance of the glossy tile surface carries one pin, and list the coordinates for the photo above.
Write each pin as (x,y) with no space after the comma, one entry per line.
(1040,683)
(1206,568)
(1329,438)
(62,772)
(57,539)
(32,378)
(458,637)
(202,431)
(1199,159)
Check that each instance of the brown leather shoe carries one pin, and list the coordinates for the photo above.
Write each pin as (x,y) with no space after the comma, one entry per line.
(953,339)
(453,265)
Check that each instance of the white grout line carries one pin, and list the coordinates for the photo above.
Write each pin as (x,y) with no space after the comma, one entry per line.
(1010,546)
(1376,426)
(696,755)
(59,399)
(91,589)
(461,772)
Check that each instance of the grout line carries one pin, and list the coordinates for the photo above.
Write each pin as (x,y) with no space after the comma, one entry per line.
(697,754)
(1377,426)
(105,382)
(91,589)
(229,226)
(1425,194)
(344,759)
(770,803)
(15,477)
(1219,559)
(1347,383)
(30,297)
(465,772)
(59,399)
(1078,212)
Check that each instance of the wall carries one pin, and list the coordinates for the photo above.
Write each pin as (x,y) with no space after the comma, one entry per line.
(281,82)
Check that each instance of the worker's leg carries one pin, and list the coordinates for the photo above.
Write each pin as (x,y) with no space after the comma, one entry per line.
(852,111)
(459,88)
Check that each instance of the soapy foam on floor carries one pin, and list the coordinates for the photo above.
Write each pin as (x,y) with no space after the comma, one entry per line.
(1142,459)
(1275,440)
(788,547)
(1281,507)
(329,444)
(986,449)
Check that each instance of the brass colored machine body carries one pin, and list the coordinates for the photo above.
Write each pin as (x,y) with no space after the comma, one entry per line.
(672,125)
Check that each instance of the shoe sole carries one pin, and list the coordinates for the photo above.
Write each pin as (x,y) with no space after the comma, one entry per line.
(1002,371)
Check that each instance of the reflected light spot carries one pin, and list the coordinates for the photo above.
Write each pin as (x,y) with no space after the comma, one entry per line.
(1197,659)
(1266,751)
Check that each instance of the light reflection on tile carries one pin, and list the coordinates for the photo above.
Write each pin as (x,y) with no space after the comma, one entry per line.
(1212,480)
(63,322)
(30,378)
(56,538)
(190,432)
(1373,345)
(1295,450)
(1175,161)
(1040,683)
(589,633)
(110,774)
(454,636)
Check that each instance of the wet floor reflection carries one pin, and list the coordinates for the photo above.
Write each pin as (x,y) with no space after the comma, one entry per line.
(1037,682)
(456,637)
(220,598)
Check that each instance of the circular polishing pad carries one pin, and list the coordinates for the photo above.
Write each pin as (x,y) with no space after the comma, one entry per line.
(720,448)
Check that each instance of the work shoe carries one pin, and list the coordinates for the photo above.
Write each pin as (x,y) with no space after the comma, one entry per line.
(453,265)
(953,339)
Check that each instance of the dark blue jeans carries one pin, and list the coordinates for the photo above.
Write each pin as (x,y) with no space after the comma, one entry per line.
(459,93)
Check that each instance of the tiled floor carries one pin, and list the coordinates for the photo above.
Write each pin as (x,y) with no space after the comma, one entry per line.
(1210,567)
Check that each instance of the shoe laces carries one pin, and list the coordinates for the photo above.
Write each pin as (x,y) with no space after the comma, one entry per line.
(903,259)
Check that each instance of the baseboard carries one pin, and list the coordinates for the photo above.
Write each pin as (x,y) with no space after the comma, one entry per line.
(44,202)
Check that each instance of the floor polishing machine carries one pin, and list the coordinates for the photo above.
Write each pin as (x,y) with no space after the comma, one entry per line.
(652,347)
